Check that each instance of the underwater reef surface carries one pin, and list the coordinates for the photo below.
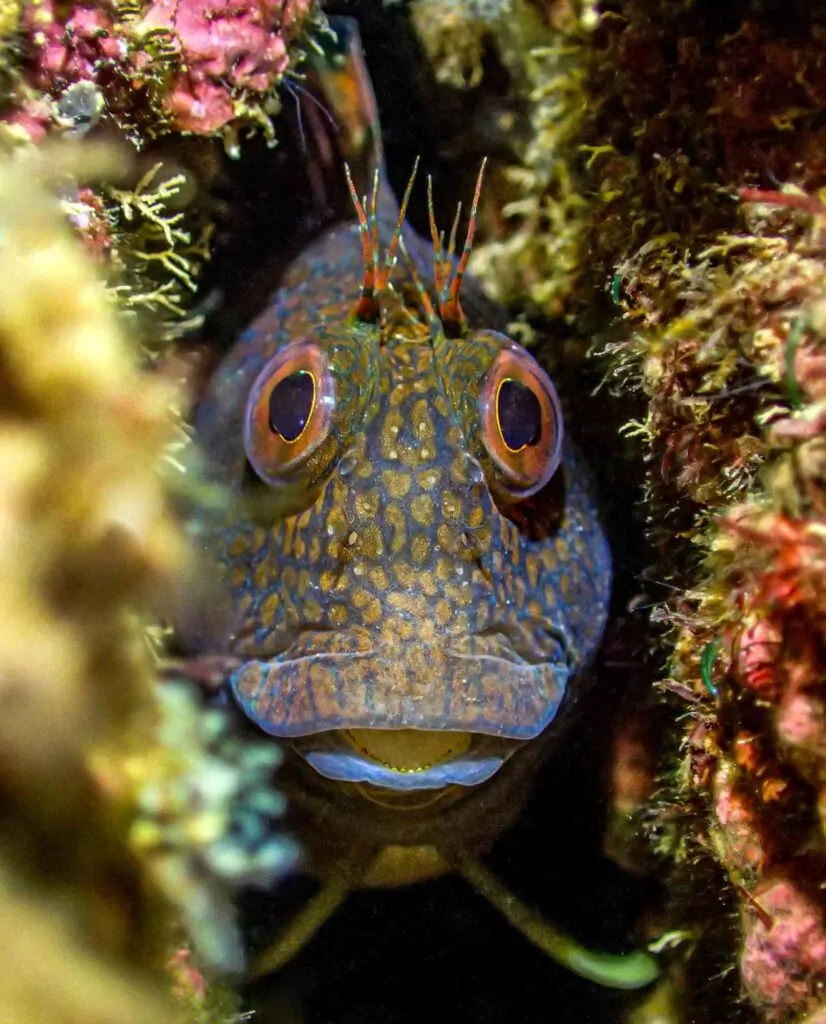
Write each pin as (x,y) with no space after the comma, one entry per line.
(174,84)
(665,217)
(655,222)
(80,935)
(130,812)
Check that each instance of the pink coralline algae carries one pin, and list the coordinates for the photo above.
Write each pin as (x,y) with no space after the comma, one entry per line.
(740,845)
(230,48)
(77,48)
(784,952)
(178,65)
(801,719)
(87,214)
(757,648)
(33,116)
(132,72)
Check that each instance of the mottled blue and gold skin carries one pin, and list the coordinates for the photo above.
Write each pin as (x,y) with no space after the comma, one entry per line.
(400,618)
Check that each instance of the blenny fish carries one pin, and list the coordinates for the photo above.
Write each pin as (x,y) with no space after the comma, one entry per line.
(416,573)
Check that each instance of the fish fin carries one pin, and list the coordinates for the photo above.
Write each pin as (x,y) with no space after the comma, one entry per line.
(634,970)
(345,119)
(344,878)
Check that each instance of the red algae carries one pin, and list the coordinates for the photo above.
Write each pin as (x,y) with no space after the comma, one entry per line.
(232,51)
(784,949)
(137,73)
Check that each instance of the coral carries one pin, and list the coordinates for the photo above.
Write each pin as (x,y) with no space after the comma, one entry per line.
(232,55)
(89,542)
(171,65)
(79,47)
(784,948)
(746,638)
(50,974)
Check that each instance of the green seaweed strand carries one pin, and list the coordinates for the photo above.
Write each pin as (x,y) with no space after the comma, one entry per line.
(616,285)
(707,660)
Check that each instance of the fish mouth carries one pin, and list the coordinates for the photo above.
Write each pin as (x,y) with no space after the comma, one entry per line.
(405,760)
(410,717)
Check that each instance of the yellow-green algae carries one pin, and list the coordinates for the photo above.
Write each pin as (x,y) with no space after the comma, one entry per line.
(116,850)
(537,260)
(670,223)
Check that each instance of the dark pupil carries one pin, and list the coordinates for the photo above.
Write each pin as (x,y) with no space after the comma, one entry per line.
(291,402)
(520,415)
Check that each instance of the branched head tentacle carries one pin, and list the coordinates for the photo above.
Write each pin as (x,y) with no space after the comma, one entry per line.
(447,280)
(451,246)
(438,256)
(377,271)
(446,317)
(366,307)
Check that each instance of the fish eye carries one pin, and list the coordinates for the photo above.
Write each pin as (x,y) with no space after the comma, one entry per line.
(292,401)
(521,422)
(518,415)
(289,412)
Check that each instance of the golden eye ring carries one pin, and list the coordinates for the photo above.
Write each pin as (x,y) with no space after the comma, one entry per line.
(305,419)
(521,423)
(533,432)
(289,412)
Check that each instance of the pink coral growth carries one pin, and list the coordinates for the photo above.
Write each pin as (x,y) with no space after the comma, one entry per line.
(188,981)
(75,49)
(801,716)
(33,116)
(209,62)
(86,213)
(783,962)
(228,47)
(741,847)
(791,556)
(757,650)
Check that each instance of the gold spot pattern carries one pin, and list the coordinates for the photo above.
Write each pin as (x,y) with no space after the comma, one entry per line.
(379,578)
(420,548)
(443,613)
(401,553)
(396,482)
(422,509)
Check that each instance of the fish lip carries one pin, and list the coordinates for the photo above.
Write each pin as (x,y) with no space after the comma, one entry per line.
(352,768)
(331,757)
(290,698)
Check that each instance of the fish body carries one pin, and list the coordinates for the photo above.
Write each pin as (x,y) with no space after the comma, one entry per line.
(414,567)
